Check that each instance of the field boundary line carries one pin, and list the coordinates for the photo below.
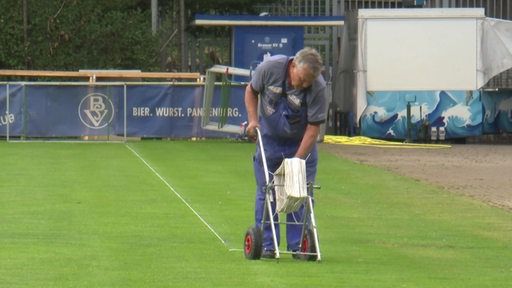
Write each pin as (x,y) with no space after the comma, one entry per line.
(179,196)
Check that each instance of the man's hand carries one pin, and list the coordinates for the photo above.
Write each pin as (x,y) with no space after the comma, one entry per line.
(251,130)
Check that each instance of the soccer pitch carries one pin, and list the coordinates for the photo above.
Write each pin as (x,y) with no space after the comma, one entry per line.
(159,213)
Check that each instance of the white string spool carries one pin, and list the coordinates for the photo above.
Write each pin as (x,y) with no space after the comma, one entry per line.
(290,185)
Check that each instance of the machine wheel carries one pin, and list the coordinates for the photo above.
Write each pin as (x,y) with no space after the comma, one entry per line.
(307,245)
(253,243)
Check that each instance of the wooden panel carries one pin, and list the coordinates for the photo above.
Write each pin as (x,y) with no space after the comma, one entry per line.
(100,74)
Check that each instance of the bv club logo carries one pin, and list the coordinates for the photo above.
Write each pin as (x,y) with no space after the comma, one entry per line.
(96,111)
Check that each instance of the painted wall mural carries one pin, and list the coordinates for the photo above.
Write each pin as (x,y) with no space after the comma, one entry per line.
(411,115)
(497,112)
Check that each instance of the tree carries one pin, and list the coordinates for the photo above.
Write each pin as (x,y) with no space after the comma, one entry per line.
(87,34)
(91,34)
(72,35)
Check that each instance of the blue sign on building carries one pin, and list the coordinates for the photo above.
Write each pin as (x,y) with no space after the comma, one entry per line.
(252,44)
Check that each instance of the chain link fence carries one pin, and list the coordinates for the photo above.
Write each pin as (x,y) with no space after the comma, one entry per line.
(501,9)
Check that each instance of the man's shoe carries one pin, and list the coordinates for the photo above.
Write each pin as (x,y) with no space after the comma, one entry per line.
(268,254)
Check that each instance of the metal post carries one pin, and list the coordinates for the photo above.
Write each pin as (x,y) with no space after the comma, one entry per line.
(183,45)
(25,33)
(7,112)
(313,226)
(409,124)
(125,111)
(154,16)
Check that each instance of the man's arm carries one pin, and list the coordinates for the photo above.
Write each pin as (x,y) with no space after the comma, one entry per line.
(251,105)
(309,139)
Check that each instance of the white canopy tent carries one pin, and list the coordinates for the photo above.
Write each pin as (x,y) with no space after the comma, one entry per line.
(429,49)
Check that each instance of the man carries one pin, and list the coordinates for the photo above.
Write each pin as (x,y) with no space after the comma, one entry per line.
(293,104)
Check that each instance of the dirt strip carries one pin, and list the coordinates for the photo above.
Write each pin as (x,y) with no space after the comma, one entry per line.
(483,172)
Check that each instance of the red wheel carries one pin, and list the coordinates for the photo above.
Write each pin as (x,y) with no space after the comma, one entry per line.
(253,243)
(308,246)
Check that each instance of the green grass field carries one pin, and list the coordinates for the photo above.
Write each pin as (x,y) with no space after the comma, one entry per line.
(174,213)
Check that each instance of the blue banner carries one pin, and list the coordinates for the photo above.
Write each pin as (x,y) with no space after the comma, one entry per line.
(176,111)
(145,110)
(12,109)
(70,111)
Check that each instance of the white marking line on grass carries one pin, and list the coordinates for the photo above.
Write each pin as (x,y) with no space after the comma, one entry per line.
(179,196)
